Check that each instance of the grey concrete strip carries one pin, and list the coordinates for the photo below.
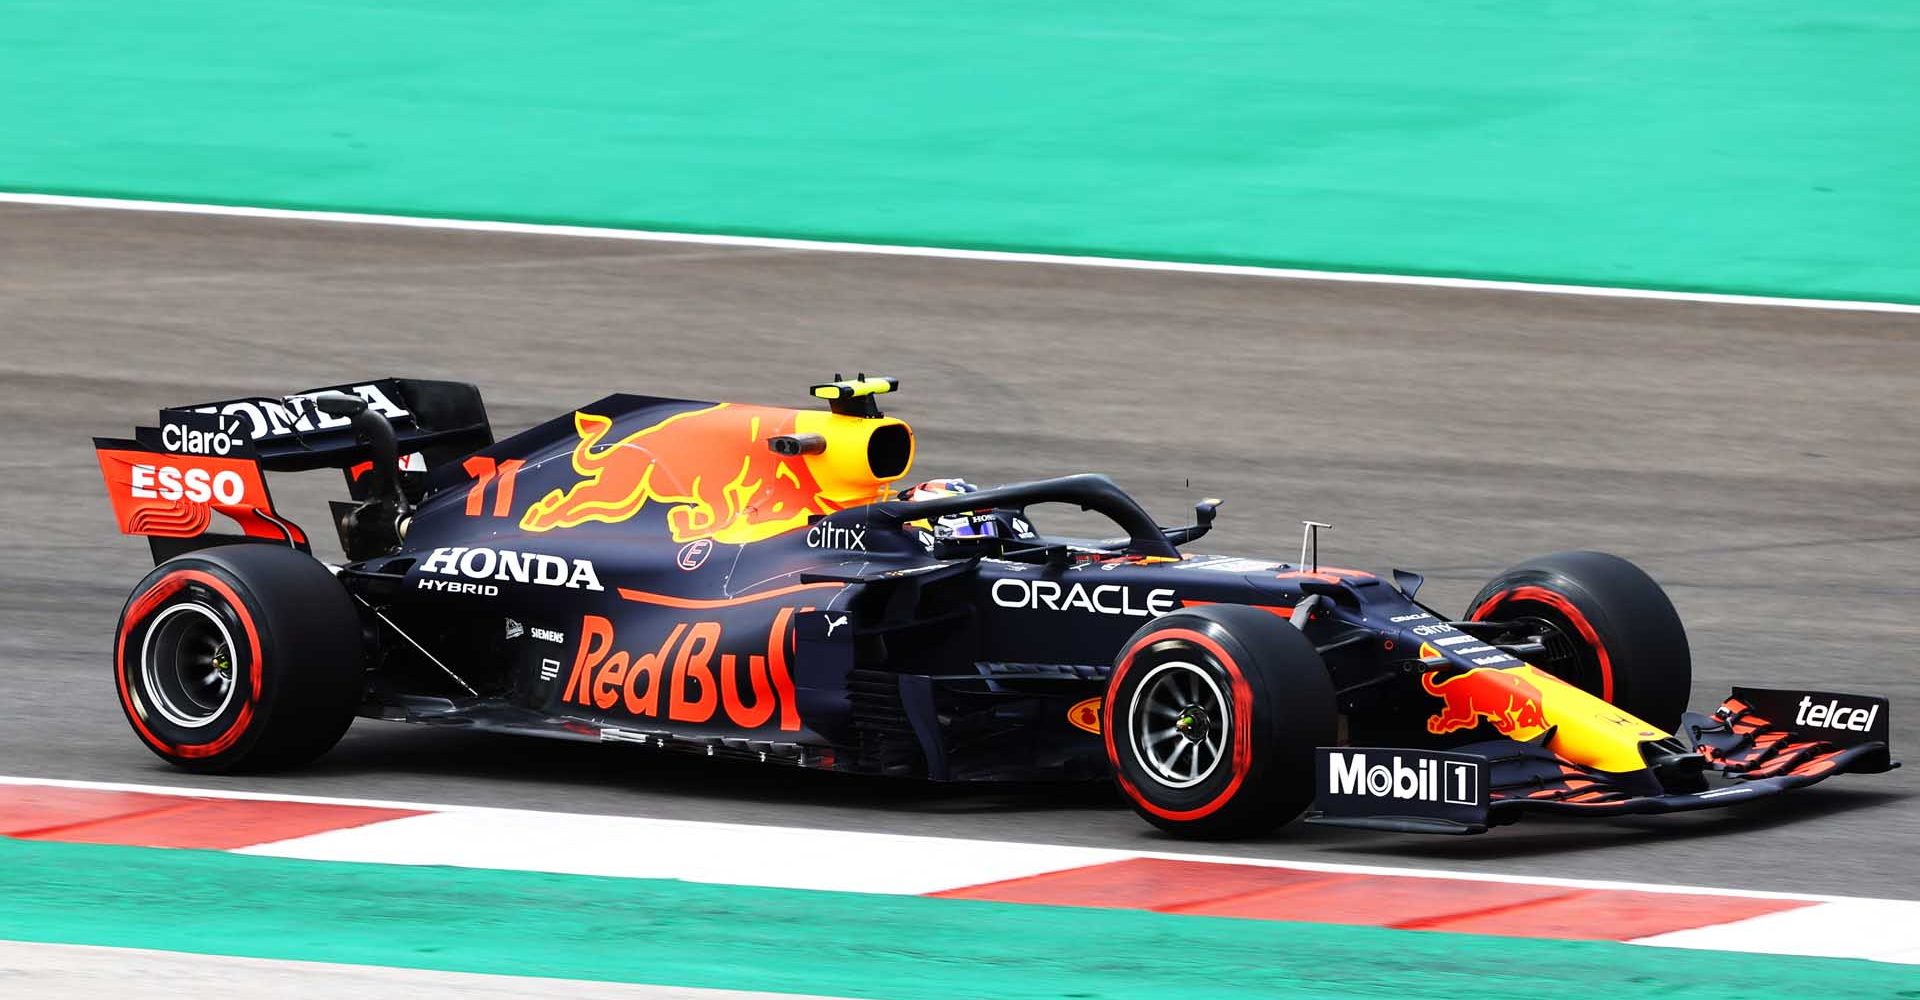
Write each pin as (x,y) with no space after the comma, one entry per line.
(1763,463)
(84,972)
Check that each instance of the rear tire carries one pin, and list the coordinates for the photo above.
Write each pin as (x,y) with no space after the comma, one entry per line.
(1628,646)
(241,657)
(1211,719)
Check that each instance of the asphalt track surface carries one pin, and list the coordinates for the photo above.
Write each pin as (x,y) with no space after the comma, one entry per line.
(1763,463)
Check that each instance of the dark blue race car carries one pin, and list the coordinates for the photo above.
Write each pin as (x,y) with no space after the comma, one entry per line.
(754,582)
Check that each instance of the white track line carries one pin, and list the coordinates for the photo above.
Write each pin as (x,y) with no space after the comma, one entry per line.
(73,971)
(1875,929)
(998,256)
(1006,854)
(718,853)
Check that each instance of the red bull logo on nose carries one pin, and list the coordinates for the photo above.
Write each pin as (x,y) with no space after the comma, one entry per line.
(711,466)
(1504,698)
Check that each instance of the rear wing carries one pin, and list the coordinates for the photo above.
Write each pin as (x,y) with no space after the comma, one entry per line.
(442,419)
(167,482)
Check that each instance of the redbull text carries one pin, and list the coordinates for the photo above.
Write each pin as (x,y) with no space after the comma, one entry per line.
(697,680)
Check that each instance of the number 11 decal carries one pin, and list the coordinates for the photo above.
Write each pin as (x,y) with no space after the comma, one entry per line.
(483,470)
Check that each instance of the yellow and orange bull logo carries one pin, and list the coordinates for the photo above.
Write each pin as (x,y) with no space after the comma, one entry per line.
(713,466)
(1523,702)
(1501,697)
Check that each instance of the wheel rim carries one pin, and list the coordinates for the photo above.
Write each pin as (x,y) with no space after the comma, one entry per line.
(1180,719)
(186,665)
(1565,657)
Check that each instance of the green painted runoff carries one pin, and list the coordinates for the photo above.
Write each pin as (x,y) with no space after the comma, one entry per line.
(832,943)
(1756,146)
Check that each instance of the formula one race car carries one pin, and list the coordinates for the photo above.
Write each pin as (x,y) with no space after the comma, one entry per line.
(745,581)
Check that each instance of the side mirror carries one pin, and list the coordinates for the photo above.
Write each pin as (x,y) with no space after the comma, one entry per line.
(1408,581)
(1203,515)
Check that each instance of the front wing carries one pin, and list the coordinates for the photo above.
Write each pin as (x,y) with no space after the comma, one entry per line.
(1740,753)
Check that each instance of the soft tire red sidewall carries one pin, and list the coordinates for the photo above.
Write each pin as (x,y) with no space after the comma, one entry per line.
(1283,708)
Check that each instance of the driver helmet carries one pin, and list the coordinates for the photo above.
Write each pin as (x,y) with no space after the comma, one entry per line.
(977,524)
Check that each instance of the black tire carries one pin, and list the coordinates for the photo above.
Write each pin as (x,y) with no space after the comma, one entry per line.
(291,676)
(1279,706)
(1622,639)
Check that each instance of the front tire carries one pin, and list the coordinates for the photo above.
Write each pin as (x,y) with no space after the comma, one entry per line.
(1619,636)
(241,657)
(1211,719)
